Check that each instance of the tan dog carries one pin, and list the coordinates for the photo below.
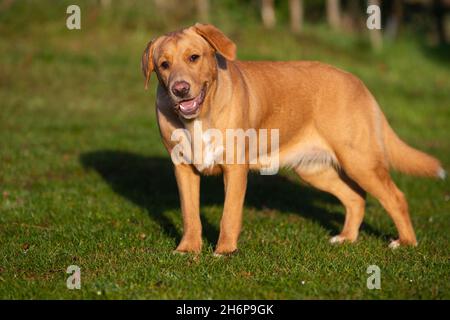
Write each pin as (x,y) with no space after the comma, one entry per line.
(331,130)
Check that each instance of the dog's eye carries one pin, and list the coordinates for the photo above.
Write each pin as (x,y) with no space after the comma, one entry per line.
(194,57)
(165,65)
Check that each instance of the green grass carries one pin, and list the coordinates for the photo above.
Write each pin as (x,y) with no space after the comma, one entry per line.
(85,180)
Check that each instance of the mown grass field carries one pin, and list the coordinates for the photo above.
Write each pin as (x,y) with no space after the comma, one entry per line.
(85,180)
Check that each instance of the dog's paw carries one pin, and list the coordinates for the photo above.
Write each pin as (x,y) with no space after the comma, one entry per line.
(181,253)
(224,254)
(185,247)
(185,252)
(395,244)
(339,239)
(225,247)
(218,255)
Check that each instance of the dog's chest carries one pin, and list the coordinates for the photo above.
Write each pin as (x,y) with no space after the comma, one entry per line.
(208,151)
(201,147)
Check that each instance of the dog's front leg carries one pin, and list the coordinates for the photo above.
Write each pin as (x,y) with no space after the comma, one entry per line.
(188,181)
(235,180)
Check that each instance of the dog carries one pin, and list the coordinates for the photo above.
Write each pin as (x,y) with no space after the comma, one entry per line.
(331,131)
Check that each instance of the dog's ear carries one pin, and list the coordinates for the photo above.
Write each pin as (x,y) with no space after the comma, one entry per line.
(147,62)
(220,42)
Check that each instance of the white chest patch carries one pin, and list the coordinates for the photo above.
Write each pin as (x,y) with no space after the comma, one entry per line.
(212,152)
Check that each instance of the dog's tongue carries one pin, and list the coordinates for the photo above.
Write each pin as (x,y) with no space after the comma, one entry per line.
(188,106)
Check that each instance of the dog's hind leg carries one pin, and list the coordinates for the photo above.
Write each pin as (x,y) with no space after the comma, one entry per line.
(373,176)
(347,191)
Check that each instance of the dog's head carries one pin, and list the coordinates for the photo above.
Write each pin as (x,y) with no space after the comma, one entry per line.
(186,64)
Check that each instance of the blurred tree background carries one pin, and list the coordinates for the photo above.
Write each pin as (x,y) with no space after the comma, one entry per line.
(85,179)
(429,18)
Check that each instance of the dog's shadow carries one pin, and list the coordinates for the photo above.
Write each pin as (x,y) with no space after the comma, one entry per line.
(149,182)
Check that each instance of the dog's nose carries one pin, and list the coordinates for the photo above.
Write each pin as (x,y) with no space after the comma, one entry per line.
(180,88)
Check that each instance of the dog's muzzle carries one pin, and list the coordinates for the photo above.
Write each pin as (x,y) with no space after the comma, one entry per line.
(189,109)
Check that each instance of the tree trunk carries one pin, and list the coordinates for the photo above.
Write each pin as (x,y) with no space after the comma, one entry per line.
(202,10)
(354,15)
(296,13)
(395,19)
(334,14)
(439,15)
(376,39)
(268,13)
(6,4)
(105,3)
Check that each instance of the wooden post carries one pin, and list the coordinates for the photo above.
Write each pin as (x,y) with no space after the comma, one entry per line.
(296,14)
(334,14)
(375,35)
(268,14)
(202,10)
(394,20)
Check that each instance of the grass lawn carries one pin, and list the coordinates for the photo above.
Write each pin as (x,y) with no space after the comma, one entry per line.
(85,180)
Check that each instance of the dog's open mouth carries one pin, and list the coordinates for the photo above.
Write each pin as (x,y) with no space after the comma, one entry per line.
(190,108)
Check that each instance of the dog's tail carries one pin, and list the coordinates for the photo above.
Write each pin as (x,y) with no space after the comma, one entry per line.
(407,159)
